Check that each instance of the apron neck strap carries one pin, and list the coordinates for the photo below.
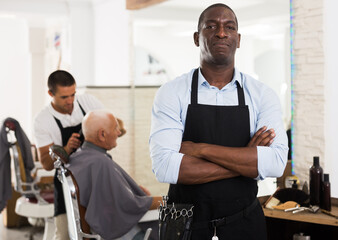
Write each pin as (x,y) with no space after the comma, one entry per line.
(194,90)
(194,87)
(83,111)
(240,94)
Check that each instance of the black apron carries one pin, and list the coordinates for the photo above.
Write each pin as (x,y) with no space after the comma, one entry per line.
(66,133)
(225,126)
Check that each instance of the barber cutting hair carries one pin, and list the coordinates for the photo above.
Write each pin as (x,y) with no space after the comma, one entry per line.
(60,123)
(215,132)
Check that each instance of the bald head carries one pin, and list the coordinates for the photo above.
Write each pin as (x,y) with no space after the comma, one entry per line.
(101,128)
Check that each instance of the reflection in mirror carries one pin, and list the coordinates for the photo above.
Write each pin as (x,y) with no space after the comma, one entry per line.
(164,47)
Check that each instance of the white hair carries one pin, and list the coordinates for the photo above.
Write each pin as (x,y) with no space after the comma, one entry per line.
(94,121)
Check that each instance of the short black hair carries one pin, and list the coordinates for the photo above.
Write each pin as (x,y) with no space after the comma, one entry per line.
(60,78)
(201,18)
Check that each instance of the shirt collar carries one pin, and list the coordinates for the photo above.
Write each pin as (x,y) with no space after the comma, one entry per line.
(62,115)
(237,77)
(91,145)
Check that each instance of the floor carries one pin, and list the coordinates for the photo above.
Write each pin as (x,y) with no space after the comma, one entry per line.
(21,233)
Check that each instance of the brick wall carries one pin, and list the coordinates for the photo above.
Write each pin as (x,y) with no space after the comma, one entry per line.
(308,85)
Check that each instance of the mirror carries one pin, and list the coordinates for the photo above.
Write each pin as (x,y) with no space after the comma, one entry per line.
(161,44)
(164,48)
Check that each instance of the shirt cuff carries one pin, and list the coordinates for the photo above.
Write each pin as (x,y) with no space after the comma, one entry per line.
(174,167)
(167,167)
(263,154)
(271,161)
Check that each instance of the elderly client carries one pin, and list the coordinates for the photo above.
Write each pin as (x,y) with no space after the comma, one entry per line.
(114,202)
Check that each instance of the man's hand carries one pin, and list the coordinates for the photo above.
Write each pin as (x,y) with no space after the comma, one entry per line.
(73,143)
(262,137)
(121,127)
(146,191)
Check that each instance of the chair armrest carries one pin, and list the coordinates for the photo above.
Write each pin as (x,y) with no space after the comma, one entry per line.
(43,176)
(38,165)
(46,180)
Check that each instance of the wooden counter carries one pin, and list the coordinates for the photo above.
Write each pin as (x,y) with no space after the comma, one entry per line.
(305,216)
(283,225)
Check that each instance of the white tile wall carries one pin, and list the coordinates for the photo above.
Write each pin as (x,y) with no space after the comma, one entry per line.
(308,85)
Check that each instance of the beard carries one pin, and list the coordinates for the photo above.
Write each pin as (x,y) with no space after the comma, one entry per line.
(218,59)
(214,55)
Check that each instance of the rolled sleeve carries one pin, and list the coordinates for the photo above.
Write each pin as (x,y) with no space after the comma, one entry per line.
(166,135)
(271,160)
(164,152)
(42,127)
(166,165)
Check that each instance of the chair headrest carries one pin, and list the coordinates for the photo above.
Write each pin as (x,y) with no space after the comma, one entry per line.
(10,124)
(60,152)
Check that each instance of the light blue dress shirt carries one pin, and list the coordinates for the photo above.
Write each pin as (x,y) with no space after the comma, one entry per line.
(170,109)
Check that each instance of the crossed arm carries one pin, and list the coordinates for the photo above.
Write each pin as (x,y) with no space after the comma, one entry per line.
(204,163)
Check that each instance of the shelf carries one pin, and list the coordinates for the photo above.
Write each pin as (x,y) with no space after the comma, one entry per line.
(305,216)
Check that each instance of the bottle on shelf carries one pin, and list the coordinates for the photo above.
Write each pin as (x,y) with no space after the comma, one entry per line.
(294,184)
(316,179)
(325,202)
(305,187)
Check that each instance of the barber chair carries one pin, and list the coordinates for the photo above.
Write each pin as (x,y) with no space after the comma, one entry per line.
(35,204)
(78,228)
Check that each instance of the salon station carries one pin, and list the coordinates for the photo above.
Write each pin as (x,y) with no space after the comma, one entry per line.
(122,51)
